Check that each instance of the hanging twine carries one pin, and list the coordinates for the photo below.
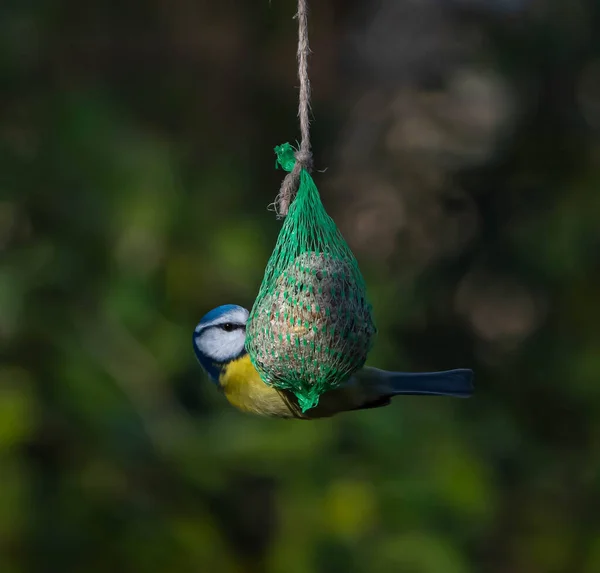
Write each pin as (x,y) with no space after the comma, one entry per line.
(303,155)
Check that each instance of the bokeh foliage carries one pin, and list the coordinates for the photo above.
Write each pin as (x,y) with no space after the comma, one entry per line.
(461,140)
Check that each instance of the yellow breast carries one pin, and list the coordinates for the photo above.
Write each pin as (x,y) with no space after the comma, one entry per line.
(245,390)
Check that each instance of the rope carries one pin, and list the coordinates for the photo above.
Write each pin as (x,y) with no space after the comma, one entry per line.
(304,158)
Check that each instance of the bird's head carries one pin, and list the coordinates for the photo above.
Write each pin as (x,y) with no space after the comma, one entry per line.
(219,338)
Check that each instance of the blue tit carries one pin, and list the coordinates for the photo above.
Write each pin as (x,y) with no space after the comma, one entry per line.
(219,344)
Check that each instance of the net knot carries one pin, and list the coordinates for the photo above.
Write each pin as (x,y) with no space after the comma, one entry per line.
(287,157)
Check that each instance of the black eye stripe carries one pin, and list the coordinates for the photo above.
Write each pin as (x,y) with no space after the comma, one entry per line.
(230,326)
(234,325)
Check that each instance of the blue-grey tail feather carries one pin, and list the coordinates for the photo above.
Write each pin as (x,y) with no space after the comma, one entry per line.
(457,383)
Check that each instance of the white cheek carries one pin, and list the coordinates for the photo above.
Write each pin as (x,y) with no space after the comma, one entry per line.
(221,346)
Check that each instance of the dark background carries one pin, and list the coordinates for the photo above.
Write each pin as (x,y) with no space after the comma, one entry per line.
(460,143)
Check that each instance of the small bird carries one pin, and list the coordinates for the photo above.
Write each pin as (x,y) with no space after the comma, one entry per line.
(219,345)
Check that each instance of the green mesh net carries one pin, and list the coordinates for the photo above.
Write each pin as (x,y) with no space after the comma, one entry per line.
(311,325)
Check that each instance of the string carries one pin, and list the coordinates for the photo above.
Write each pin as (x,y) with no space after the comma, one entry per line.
(304,158)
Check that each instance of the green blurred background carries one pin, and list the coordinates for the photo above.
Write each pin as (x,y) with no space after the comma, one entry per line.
(460,154)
